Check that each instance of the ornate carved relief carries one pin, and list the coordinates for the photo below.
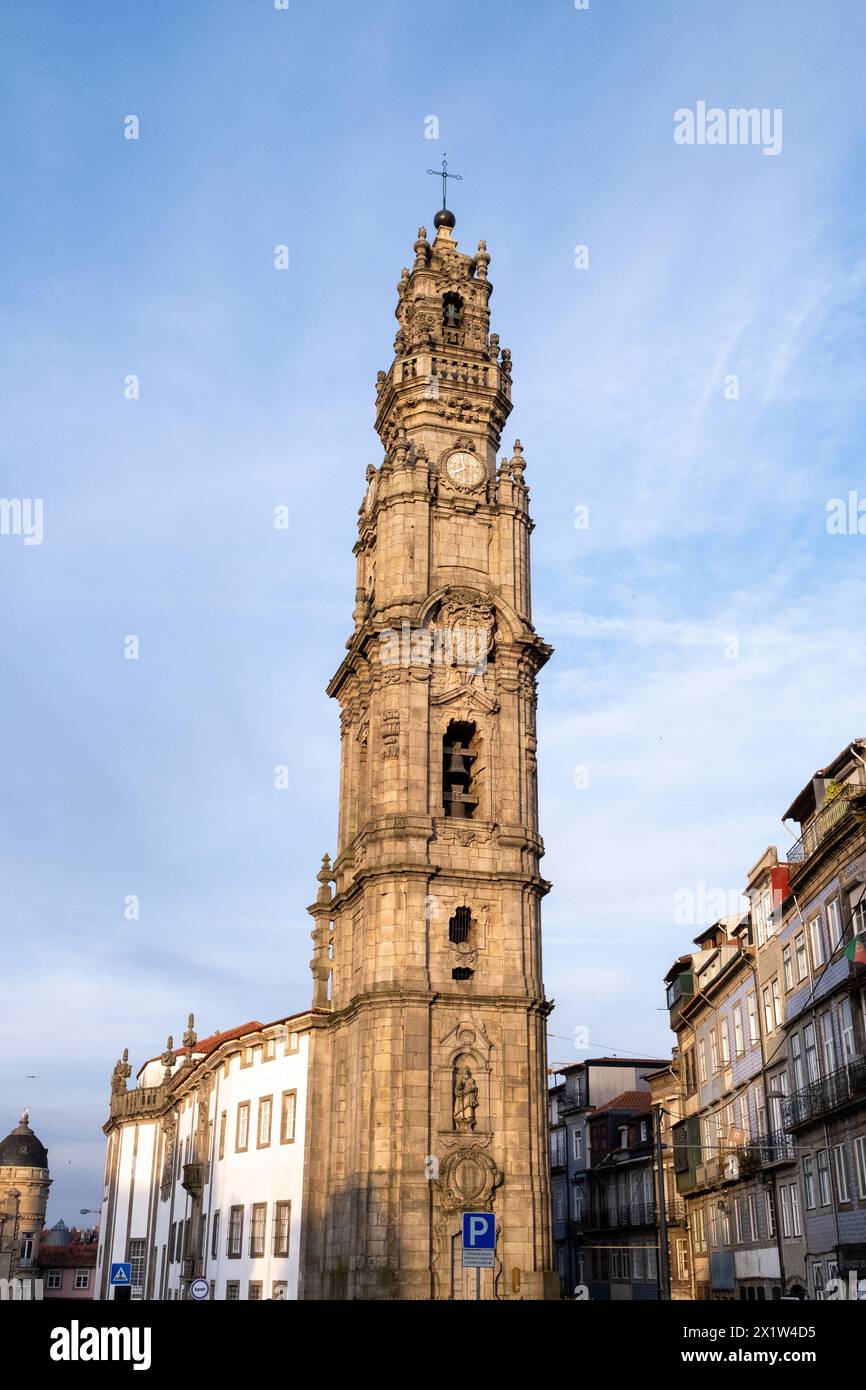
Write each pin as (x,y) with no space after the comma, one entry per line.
(168,1125)
(463,629)
(468,1178)
(391,735)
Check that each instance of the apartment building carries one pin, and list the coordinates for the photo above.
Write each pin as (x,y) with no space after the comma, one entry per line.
(601,1177)
(769,1012)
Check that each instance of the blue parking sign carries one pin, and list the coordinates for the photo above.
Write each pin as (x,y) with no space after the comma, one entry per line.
(479,1230)
(121,1276)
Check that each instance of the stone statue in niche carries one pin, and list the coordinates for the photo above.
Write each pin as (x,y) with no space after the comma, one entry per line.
(465,1099)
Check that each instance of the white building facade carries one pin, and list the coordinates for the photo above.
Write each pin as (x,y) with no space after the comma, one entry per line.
(205,1165)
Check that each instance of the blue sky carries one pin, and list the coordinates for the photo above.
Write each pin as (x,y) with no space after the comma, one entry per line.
(707,531)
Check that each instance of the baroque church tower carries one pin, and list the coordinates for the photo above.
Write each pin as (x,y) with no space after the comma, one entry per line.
(427,1086)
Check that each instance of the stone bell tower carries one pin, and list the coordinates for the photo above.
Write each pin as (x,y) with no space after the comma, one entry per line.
(427,1083)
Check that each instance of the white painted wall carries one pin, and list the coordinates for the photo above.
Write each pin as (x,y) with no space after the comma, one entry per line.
(268,1175)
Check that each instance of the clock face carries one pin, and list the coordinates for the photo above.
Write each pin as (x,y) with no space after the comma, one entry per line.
(464,469)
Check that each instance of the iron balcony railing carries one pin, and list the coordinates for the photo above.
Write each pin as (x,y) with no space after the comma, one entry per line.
(830,1092)
(826,820)
(635,1214)
(765,1151)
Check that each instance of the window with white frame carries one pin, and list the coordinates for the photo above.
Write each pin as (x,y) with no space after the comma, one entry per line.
(840,1166)
(242,1128)
(768,1008)
(753,1218)
(726,1041)
(818,1281)
(752,1005)
(785,1196)
(816,937)
(777,1004)
(834,924)
(577,1143)
(738,1220)
(858,912)
(828,1042)
(809,1182)
(860,1159)
(796,1062)
(846,1029)
(684,1270)
(802,957)
(739,1047)
(263,1133)
(725,1227)
(795,1210)
(702,1059)
(823,1162)
(82,1279)
(788,967)
(760,1107)
(700,1229)
(714,1052)
(811,1048)
(287,1117)
(54,1279)
(771,1214)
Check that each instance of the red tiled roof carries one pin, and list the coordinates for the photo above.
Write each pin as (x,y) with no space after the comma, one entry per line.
(77,1255)
(204,1046)
(627,1100)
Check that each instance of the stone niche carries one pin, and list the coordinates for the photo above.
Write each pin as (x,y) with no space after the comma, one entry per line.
(465,1047)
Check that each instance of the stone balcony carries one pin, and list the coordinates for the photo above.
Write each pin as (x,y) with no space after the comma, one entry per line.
(143,1101)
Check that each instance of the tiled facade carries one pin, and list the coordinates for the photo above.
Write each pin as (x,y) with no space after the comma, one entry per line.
(770,1018)
(604,1201)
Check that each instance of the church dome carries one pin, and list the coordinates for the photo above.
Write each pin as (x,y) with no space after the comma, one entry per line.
(22,1149)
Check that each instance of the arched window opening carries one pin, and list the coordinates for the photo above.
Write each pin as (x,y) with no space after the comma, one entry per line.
(452,310)
(457,759)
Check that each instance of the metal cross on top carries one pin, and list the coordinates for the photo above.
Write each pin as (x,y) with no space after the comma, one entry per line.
(444,176)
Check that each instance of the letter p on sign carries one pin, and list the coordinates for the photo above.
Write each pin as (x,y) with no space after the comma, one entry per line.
(479,1230)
